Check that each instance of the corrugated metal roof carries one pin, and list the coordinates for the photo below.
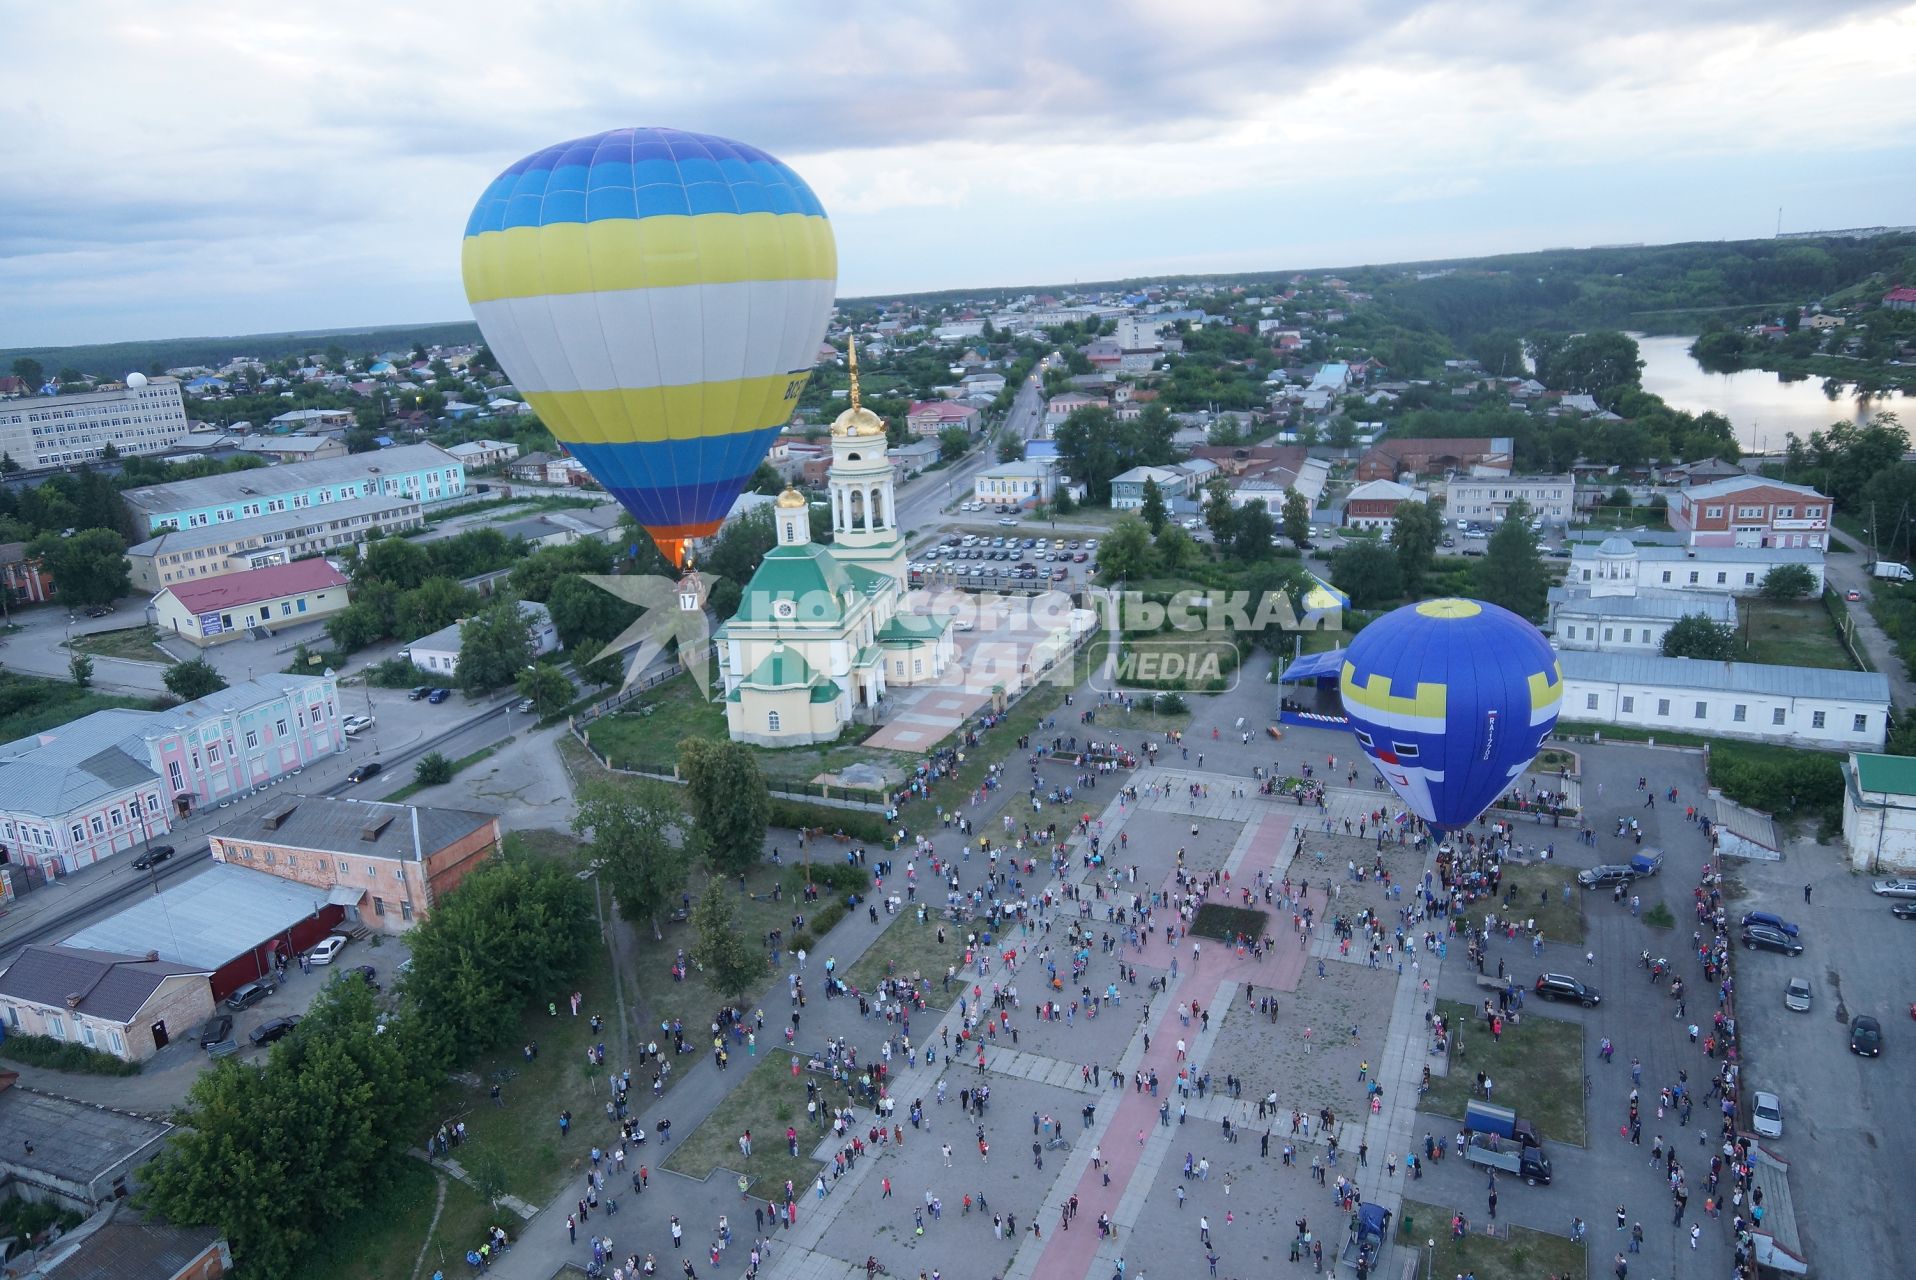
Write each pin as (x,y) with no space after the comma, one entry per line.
(263,527)
(207,920)
(250,586)
(336,825)
(1727,677)
(1892,775)
(207,491)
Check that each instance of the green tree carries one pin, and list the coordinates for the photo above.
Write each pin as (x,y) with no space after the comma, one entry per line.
(1368,573)
(515,930)
(1011,447)
(1177,552)
(395,561)
(1511,573)
(195,679)
(433,770)
(88,567)
(1788,582)
(82,668)
(1062,502)
(1297,518)
(953,442)
(1696,635)
(8,467)
(436,602)
(1152,510)
(546,686)
(354,627)
(1253,532)
(731,805)
(495,645)
(1125,552)
(721,949)
(534,575)
(1602,364)
(31,372)
(1220,517)
(637,830)
(1416,529)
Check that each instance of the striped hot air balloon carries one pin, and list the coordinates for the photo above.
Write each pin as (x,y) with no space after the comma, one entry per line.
(1451,699)
(659,297)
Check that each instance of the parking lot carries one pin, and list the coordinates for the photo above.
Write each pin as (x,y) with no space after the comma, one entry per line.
(1005,562)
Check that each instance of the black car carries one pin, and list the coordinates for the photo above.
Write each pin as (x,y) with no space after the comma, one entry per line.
(1561,986)
(362,772)
(99,611)
(419,692)
(1865,1036)
(153,857)
(250,994)
(218,1028)
(1904,910)
(367,974)
(273,1029)
(1762,937)
(1601,877)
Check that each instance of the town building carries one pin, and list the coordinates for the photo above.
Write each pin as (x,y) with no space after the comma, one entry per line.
(314,420)
(1373,504)
(146,417)
(913,456)
(1180,480)
(125,1005)
(546,468)
(211,552)
(1901,298)
(1751,511)
(22,576)
(293,448)
(1619,567)
(1390,458)
(1021,483)
(821,631)
(122,1243)
(480,454)
(209,611)
(1796,706)
(564,527)
(1551,499)
(931,418)
(1879,812)
(423,472)
(1063,405)
(1632,623)
(233,923)
(76,1155)
(116,780)
(438,653)
(384,864)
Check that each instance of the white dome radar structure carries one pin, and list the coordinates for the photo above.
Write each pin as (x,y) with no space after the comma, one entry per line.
(135,379)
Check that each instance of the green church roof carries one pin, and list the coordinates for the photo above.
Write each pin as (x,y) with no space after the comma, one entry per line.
(807,577)
(782,669)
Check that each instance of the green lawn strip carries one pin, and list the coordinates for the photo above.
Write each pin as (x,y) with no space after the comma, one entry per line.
(458,766)
(381,1240)
(135,643)
(765,1101)
(1515,1253)
(1536,1069)
(1226,924)
(1796,633)
(1535,893)
(33,705)
(907,949)
(1630,733)
(694,1000)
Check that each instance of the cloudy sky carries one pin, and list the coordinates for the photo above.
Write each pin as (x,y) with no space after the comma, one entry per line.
(184,168)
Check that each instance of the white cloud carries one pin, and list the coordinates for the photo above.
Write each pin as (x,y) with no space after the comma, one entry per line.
(201,168)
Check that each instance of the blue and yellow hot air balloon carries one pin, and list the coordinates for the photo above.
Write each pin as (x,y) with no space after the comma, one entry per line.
(1452,700)
(659,297)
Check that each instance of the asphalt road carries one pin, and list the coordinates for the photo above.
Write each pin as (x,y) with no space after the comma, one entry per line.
(924,501)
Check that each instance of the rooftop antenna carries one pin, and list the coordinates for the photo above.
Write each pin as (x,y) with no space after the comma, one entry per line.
(1779,219)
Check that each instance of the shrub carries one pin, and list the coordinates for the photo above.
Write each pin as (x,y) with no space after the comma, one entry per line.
(856,823)
(393,673)
(827,915)
(839,878)
(1659,917)
(1214,920)
(432,770)
(64,1055)
(802,941)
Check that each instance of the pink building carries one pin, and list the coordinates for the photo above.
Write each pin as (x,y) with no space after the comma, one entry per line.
(1751,511)
(117,780)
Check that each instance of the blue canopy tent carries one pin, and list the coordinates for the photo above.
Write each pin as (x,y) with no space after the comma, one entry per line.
(1315,700)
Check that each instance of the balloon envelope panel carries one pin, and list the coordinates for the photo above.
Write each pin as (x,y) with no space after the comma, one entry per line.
(659,297)
(1451,699)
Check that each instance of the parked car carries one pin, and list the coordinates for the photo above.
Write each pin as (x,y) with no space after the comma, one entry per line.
(327,948)
(1604,876)
(1561,986)
(1796,995)
(1895,888)
(366,973)
(1903,910)
(357,724)
(249,995)
(1852,595)
(273,1029)
(524,704)
(218,1028)
(438,695)
(1770,919)
(362,772)
(99,611)
(1761,937)
(1008,522)
(1865,1036)
(1767,1115)
(418,691)
(153,857)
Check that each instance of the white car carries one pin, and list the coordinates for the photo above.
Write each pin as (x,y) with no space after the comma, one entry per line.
(1767,1115)
(1895,888)
(327,948)
(357,725)
(1797,995)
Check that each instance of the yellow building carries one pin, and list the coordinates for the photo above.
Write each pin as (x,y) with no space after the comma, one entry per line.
(822,631)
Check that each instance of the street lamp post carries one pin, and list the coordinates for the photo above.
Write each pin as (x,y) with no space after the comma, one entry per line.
(1430,1257)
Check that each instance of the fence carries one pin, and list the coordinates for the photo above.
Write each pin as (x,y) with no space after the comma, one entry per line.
(645,684)
(862,799)
(1845,628)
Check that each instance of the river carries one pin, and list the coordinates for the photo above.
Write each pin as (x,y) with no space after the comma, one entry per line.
(1759,404)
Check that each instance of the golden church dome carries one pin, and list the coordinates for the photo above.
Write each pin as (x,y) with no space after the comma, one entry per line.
(791,500)
(857,420)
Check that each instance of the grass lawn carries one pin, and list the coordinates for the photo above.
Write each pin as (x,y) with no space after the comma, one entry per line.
(694,1000)
(1529,886)
(1180,660)
(1796,633)
(136,643)
(768,1099)
(1634,519)
(1537,1070)
(907,949)
(648,737)
(1215,920)
(462,763)
(381,1241)
(1515,1253)
(29,705)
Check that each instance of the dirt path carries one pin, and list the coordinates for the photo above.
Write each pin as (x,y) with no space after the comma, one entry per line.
(438,1207)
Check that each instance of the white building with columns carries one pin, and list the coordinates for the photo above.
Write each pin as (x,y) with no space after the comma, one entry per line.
(822,632)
